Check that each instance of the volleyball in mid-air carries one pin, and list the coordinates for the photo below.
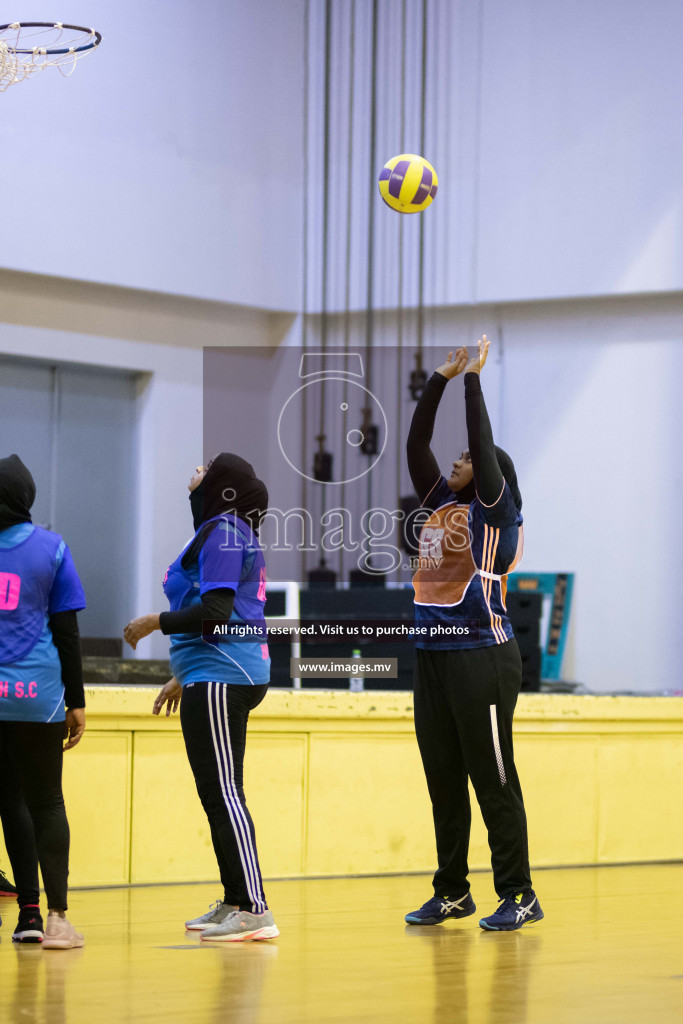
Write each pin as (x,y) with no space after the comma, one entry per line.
(408,183)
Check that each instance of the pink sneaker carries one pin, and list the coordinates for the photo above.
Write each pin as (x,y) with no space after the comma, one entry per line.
(60,934)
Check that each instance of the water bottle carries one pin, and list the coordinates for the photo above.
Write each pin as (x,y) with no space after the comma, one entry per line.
(356,683)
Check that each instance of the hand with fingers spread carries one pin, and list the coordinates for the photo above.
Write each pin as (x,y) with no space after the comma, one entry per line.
(170,695)
(452,367)
(476,363)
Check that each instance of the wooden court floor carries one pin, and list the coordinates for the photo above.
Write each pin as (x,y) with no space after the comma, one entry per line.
(609,950)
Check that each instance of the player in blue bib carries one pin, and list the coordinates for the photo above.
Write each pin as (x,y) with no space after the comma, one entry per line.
(41,703)
(468,666)
(220,575)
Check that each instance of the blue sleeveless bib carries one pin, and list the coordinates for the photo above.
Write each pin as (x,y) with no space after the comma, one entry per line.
(27,572)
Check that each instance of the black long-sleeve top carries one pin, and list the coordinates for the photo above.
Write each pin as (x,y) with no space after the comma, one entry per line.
(422,465)
(66,638)
(456,608)
(215,604)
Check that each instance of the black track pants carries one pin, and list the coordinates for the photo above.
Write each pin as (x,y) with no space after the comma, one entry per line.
(32,809)
(214,722)
(464,703)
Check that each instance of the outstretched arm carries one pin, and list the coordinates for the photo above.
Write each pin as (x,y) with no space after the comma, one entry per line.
(215,604)
(488,479)
(422,465)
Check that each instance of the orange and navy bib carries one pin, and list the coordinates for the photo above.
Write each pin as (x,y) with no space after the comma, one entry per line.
(465,554)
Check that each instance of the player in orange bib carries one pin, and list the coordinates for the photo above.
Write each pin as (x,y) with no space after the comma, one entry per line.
(468,667)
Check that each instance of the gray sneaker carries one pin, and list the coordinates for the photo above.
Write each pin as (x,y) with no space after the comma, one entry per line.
(215,915)
(242,925)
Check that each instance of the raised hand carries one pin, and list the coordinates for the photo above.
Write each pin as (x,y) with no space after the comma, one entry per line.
(452,367)
(476,363)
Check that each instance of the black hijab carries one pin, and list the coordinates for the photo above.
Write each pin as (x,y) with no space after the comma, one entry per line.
(17,492)
(507,468)
(230,486)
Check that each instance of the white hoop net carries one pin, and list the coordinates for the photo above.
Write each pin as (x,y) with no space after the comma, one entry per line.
(26,49)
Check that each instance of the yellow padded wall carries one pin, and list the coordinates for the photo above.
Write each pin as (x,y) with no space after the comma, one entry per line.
(335,785)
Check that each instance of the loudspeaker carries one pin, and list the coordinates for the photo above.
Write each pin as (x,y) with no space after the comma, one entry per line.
(322,467)
(321,576)
(361,578)
(527,634)
(523,606)
(275,603)
(370,443)
(361,603)
(524,610)
(531,669)
(279,665)
(418,380)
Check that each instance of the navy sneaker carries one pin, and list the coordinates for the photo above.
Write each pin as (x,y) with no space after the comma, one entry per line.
(440,908)
(515,910)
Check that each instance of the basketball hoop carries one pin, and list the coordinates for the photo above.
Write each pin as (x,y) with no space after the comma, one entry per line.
(28,47)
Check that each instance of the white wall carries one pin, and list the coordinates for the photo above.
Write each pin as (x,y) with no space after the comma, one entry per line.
(171,159)
(177,166)
(169,416)
(585,396)
(552,127)
(169,445)
(592,412)
(580,191)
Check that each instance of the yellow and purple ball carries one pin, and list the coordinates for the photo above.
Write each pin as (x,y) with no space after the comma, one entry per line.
(408,183)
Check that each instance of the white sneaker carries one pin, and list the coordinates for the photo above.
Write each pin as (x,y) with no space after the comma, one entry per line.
(61,934)
(215,915)
(241,925)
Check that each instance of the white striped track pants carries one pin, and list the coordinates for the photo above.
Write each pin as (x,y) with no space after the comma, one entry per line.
(214,722)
